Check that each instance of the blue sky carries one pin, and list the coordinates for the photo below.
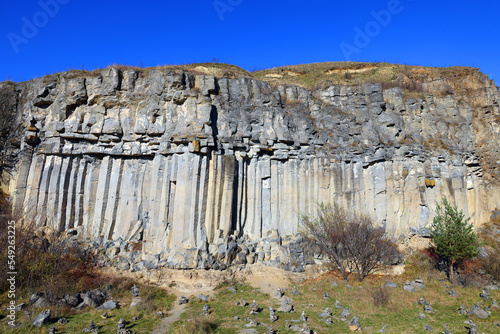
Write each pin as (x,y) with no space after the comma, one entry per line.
(47,36)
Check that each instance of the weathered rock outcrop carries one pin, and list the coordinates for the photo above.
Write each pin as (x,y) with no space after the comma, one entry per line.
(180,160)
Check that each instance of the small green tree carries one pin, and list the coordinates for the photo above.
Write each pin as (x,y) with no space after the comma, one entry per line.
(454,238)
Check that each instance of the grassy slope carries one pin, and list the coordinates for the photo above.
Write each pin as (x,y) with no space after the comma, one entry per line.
(154,299)
(400,315)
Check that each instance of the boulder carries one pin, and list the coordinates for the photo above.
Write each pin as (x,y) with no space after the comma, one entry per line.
(109,305)
(354,324)
(409,287)
(94,298)
(326,313)
(203,298)
(479,312)
(41,319)
(135,301)
(91,328)
(287,305)
(390,284)
(344,314)
(41,302)
(73,300)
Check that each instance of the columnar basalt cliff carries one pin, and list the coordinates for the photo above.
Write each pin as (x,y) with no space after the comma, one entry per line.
(182,160)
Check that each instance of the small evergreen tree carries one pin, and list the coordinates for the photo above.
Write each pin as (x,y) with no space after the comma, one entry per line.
(453,236)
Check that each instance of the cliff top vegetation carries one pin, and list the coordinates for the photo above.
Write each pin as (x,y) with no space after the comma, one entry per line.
(314,75)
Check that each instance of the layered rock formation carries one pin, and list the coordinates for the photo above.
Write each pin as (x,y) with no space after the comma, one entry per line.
(180,160)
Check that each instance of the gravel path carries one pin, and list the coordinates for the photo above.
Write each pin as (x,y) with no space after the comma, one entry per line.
(172,316)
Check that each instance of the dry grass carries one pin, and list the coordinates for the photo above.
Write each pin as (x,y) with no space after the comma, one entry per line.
(197,325)
(490,235)
(314,75)
(380,296)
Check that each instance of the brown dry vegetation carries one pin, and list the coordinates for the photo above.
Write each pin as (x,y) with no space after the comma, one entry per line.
(490,234)
(373,303)
(409,78)
(349,240)
(43,265)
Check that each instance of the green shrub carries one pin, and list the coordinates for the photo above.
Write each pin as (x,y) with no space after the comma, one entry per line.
(453,237)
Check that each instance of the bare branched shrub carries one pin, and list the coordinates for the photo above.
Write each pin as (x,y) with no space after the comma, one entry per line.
(492,263)
(54,267)
(490,234)
(349,240)
(161,272)
(381,296)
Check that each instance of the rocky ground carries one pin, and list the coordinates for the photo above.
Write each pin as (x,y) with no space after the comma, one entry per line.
(326,304)
(263,299)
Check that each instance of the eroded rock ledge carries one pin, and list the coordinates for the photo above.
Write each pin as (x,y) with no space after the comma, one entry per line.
(183,161)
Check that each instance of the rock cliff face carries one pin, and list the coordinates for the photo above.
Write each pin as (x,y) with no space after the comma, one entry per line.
(181,161)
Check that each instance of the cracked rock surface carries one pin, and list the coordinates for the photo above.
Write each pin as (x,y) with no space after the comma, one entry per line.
(192,164)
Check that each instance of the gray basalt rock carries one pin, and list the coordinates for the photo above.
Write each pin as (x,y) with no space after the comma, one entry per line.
(390,284)
(485,294)
(354,324)
(344,314)
(325,314)
(287,305)
(91,328)
(478,312)
(94,298)
(203,298)
(408,287)
(182,161)
(471,327)
(418,284)
(41,302)
(121,323)
(463,310)
(494,305)
(41,319)
(109,305)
